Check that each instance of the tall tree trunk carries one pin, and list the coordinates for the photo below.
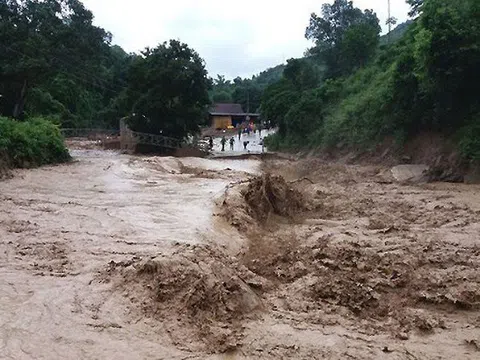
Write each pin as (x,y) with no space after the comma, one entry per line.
(19,106)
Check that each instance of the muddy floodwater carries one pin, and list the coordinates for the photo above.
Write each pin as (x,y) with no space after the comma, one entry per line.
(61,224)
(122,257)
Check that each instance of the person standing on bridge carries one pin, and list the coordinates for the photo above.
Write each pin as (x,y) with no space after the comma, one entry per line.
(223,142)
(232,142)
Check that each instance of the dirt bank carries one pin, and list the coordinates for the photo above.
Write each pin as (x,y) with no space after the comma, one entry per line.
(4,167)
(125,257)
(391,263)
(434,150)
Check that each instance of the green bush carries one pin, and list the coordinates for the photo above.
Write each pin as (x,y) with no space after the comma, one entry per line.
(31,143)
(361,117)
(469,140)
(275,142)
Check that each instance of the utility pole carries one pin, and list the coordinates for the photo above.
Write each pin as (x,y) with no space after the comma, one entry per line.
(390,21)
(389,17)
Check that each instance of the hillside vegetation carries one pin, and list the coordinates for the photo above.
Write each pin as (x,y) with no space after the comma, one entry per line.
(55,63)
(396,34)
(30,143)
(427,81)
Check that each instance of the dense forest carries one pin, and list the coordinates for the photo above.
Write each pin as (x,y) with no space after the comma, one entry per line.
(54,63)
(353,88)
(56,67)
(352,91)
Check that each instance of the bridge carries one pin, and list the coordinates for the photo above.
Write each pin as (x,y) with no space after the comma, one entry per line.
(88,132)
(127,139)
(134,137)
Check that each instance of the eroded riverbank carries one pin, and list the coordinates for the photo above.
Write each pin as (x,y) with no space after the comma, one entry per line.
(126,257)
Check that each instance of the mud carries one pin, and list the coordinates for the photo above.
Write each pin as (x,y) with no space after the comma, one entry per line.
(61,227)
(199,292)
(125,257)
(267,195)
(83,144)
(5,169)
(376,256)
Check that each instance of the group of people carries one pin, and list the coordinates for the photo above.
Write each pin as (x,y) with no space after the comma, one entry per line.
(232,143)
(224,142)
(251,128)
(247,130)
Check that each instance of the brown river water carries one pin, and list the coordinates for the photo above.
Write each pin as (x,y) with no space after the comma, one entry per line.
(65,229)
(60,224)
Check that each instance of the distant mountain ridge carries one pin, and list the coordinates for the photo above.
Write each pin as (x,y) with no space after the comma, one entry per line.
(397,33)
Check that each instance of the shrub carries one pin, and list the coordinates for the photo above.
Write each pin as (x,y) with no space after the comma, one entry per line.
(469,140)
(31,143)
(361,116)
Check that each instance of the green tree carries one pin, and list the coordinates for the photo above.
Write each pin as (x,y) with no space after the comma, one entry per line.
(343,29)
(168,87)
(301,74)
(46,42)
(416,7)
(247,94)
(269,76)
(222,90)
(447,55)
(357,47)
(221,84)
(222,97)
(306,115)
(276,102)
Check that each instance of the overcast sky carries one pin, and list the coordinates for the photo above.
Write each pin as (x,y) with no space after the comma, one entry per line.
(236,38)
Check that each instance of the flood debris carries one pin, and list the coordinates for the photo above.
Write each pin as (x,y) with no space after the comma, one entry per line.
(200,291)
(251,204)
(269,194)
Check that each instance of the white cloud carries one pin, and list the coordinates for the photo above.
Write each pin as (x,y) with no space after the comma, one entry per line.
(236,38)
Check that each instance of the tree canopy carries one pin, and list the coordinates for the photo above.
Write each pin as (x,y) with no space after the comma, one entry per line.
(424,80)
(54,62)
(415,7)
(168,90)
(344,36)
(348,89)
(52,59)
